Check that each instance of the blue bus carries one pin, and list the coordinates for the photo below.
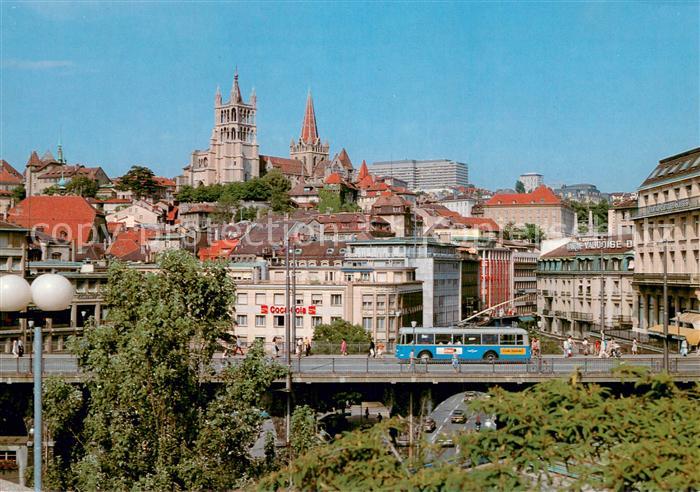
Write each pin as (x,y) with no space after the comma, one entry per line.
(487,343)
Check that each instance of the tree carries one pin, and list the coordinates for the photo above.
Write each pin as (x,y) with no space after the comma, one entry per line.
(519,187)
(19,193)
(82,186)
(53,190)
(533,233)
(554,435)
(334,333)
(140,181)
(303,430)
(151,421)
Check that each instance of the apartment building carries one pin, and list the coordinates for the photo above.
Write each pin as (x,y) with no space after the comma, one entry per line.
(428,175)
(620,221)
(524,279)
(667,231)
(540,207)
(570,280)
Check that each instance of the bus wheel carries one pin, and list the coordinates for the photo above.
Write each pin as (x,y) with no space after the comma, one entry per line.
(490,356)
(425,355)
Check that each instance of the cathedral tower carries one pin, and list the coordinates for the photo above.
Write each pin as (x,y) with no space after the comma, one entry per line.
(232,155)
(309,149)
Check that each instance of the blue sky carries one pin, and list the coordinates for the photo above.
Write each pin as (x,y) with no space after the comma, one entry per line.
(581,92)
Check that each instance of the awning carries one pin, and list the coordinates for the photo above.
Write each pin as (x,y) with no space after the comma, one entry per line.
(690,334)
(691,318)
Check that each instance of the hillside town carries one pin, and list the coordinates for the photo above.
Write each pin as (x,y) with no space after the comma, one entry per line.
(377,245)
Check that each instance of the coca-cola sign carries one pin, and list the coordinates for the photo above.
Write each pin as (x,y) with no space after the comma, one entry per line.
(265,309)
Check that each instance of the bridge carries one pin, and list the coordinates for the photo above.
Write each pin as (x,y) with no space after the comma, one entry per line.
(388,370)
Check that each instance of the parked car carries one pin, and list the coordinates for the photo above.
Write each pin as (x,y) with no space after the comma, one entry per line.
(429,425)
(445,442)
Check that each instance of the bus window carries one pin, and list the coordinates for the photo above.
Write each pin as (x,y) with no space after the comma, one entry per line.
(520,339)
(407,338)
(473,340)
(489,339)
(457,339)
(508,339)
(443,339)
(425,338)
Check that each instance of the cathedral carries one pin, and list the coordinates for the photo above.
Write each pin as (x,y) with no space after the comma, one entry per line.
(233,154)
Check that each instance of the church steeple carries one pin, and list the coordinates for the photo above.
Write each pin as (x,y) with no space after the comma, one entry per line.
(235,90)
(309,131)
(217,97)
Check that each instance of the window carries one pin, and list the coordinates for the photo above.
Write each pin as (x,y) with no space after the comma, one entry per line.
(367,323)
(425,338)
(489,339)
(336,300)
(242,320)
(392,301)
(279,300)
(381,324)
(316,320)
(300,299)
(259,320)
(335,318)
(242,299)
(443,339)
(381,302)
(508,339)
(364,276)
(299,321)
(472,339)
(279,321)
(381,277)
(317,299)
(367,301)
(349,277)
(260,299)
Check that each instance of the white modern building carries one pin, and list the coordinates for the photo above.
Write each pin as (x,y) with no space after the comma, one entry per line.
(428,175)
(531,181)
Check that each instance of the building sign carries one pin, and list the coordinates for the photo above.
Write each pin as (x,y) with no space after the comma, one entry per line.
(667,207)
(265,309)
(512,350)
(599,244)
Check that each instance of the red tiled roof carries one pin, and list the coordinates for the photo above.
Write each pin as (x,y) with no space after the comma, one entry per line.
(344,159)
(334,178)
(64,217)
(309,131)
(8,174)
(164,182)
(388,199)
(286,166)
(116,200)
(542,195)
(218,249)
(34,160)
(70,171)
(123,248)
(364,172)
(172,214)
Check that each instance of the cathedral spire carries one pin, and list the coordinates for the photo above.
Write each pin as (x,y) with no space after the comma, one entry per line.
(309,132)
(217,97)
(235,90)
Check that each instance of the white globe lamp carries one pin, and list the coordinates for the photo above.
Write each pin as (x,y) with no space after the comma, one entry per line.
(52,292)
(15,293)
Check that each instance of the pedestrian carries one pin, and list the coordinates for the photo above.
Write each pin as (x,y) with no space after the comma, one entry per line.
(15,351)
(366,413)
(566,347)
(455,362)
(371,352)
(412,360)
(603,349)
(569,347)
(379,416)
(20,348)
(585,346)
(597,347)
(535,347)
(477,423)
(307,346)
(380,350)
(300,347)
(277,347)
(343,347)
(684,348)
(238,349)
(635,348)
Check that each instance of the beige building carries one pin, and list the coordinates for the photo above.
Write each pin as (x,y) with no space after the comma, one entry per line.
(668,212)
(620,218)
(378,299)
(540,207)
(569,282)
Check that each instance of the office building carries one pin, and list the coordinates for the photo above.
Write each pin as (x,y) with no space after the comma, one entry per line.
(428,175)
(531,181)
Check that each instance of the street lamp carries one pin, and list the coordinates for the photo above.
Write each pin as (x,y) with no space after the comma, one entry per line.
(49,292)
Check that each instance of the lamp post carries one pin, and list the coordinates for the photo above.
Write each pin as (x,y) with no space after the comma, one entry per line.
(49,292)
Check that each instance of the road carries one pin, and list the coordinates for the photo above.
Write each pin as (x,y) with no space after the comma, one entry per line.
(66,365)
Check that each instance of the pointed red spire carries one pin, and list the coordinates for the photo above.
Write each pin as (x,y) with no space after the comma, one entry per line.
(364,172)
(309,132)
(34,159)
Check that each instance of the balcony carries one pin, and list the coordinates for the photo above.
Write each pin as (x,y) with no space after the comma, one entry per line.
(621,320)
(675,206)
(581,316)
(679,279)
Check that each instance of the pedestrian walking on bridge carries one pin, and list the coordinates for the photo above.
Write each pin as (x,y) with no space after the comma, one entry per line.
(455,362)
(635,348)
(343,347)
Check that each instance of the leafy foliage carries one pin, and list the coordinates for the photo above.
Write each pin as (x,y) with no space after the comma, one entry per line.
(19,193)
(150,421)
(82,186)
(600,214)
(555,435)
(339,329)
(530,232)
(303,430)
(519,187)
(334,201)
(139,180)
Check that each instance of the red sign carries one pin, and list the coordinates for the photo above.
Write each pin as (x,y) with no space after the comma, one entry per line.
(265,309)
